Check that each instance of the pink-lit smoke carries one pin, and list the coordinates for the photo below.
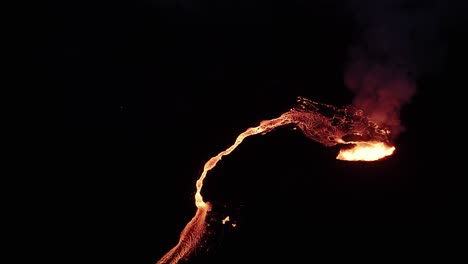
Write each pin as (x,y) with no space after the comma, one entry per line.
(394,38)
(381,91)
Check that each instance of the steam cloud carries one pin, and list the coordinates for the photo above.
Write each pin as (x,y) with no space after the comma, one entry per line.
(395,40)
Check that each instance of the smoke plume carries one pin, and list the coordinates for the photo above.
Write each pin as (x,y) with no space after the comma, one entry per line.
(394,39)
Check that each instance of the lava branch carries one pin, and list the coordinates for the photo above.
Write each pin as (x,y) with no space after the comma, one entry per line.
(264,127)
(194,230)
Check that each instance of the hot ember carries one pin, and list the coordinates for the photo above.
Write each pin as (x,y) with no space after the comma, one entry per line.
(366,151)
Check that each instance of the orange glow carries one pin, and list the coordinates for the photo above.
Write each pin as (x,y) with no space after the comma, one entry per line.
(192,235)
(366,151)
(315,121)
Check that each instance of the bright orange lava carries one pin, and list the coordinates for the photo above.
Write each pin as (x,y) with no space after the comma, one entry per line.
(195,229)
(315,126)
(366,151)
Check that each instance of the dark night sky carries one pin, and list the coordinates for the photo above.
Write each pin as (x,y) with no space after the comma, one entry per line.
(152,90)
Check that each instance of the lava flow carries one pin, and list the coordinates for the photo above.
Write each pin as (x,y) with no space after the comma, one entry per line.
(195,229)
(323,123)
(366,151)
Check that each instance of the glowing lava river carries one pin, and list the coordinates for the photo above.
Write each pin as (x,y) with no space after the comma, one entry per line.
(326,124)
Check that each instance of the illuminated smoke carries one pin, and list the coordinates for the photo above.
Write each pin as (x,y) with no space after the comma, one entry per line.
(396,41)
(381,91)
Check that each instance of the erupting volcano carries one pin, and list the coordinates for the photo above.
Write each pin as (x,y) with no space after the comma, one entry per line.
(326,124)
